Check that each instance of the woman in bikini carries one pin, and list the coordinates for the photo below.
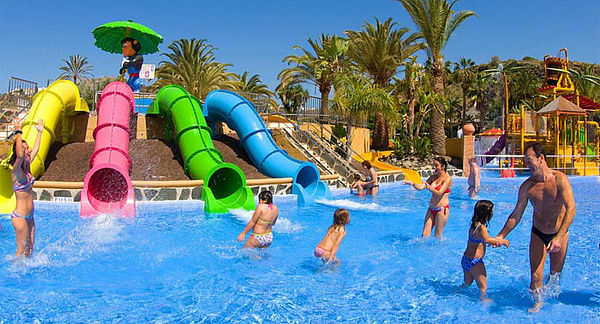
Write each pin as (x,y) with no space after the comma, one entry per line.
(439,184)
(22,183)
(264,217)
(371,186)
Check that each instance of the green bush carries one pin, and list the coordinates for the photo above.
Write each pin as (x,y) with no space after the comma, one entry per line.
(404,147)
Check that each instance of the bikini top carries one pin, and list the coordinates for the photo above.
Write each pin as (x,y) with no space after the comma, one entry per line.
(266,221)
(25,183)
(440,187)
(473,239)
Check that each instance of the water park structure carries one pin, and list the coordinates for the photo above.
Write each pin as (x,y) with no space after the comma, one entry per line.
(563,124)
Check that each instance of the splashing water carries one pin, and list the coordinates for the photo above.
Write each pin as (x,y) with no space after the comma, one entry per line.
(283,224)
(353,205)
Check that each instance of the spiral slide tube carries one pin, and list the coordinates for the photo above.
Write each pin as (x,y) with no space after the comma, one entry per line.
(241,116)
(107,187)
(224,183)
(55,105)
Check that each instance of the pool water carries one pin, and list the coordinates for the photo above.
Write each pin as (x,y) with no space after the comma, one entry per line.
(172,263)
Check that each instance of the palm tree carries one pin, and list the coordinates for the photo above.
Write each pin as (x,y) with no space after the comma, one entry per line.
(524,87)
(589,88)
(191,64)
(252,85)
(327,59)
(436,21)
(582,79)
(504,71)
(465,76)
(379,50)
(252,89)
(355,96)
(407,90)
(76,68)
(292,97)
(478,93)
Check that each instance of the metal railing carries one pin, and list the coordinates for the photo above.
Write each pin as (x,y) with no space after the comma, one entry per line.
(336,162)
(14,103)
(504,163)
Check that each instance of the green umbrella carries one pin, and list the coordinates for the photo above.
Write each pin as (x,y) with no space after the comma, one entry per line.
(108,36)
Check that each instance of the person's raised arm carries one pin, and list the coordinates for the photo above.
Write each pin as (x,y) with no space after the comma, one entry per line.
(38,139)
(251,223)
(517,213)
(336,245)
(565,191)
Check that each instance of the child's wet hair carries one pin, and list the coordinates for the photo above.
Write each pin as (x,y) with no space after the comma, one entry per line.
(341,217)
(266,196)
(483,213)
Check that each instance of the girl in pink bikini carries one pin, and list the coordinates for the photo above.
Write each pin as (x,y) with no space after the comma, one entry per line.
(263,219)
(22,183)
(328,247)
(439,184)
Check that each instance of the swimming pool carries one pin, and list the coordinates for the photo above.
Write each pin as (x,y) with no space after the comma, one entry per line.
(174,264)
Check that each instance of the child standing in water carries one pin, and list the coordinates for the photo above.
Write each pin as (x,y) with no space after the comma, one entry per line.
(472,260)
(263,219)
(328,247)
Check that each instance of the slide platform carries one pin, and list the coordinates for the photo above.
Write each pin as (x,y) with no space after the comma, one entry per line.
(241,116)
(224,183)
(55,105)
(107,188)
(373,158)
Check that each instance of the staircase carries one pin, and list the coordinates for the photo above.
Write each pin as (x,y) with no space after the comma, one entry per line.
(15,104)
(319,152)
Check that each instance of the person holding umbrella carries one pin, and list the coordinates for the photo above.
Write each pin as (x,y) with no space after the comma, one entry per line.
(132,40)
(132,63)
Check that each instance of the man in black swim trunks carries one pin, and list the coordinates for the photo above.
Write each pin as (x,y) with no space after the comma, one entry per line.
(551,195)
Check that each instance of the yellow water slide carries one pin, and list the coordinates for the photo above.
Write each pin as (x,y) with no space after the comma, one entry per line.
(373,158)
(55,105)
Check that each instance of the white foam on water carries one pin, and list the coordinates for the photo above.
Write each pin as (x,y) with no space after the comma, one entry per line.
(283,225)
(353,205)
(86,239)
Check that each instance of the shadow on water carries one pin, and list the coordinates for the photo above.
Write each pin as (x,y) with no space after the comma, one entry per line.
(503,298)
(580,298)
(511,297)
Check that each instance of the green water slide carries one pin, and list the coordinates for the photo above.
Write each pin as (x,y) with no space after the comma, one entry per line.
(224,183)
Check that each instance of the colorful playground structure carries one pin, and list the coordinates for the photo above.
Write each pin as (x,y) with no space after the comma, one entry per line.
(563,124)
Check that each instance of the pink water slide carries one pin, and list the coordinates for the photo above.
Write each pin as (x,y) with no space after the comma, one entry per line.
(107,187)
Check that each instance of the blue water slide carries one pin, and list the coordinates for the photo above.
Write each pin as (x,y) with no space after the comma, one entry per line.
(241,116)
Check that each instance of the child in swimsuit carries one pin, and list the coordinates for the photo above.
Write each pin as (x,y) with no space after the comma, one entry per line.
(328,247)
(472,260)
(22,185)
(263,219)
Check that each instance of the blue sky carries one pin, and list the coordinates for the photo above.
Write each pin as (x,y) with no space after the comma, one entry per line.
(255,36)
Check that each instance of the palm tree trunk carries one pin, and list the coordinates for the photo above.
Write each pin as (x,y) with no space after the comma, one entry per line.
(481,107)
(411,115)
(380,133)
(437,134)
(349,139)
(324,89)
(464,106)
